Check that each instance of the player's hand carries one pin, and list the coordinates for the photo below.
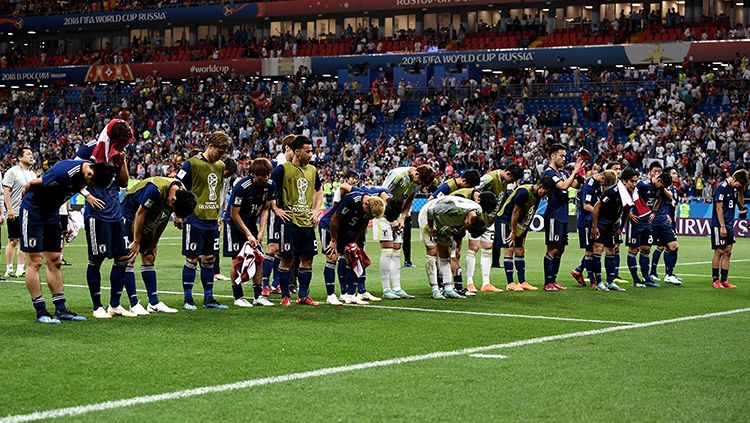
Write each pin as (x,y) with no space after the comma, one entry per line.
(26,189)
(651,218)
(94,202)
(511,240)
(579,164)
(398,224)
(283,215)
(594,232)
(260,239)
(178,222)
(2,219)
(315,218)
(742,211)
(11,215)
(220,224)
(723,231)
(134,247)
(633,218)
(331,249)
(251,239)
(669,220)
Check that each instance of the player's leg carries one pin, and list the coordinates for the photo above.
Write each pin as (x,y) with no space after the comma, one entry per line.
(458,277)
(51,247)
(329,269)
(550,255)
(148,274)
(93,270)
(444,267)
(407,241)
(31,246)
(724,272)
(386,250)
(584,242)
(485,262)
(610,263)
(271,262)
(11,249)
(189,269)
(395,268)
(644,260)
(633,243)
(718,245)
(655,257)
(471,263)
(595,266)
(117,243)
(668,239)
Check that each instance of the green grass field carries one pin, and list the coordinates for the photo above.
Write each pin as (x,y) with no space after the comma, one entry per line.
(570,356)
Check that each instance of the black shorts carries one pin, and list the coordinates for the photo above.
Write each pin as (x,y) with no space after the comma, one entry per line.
(146,238)
(638,235)
(14,228)
(584,239)
(297,241)
(555,232)
(341,241)
(106,240)
(663,234)
(717,241)
(274,228)
(234,238)
(505,233)
(40,234)
(200,238)
(64,222)
(609,235)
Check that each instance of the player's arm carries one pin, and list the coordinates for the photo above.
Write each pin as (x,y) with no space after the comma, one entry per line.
(234,214)
(157,234)
(317,200)
(572,180)
(334,231)
(138,223)
(405,211)
(514,216)
(443,189)
(595,219)
(123,176)
(277,176)
(33,185)
(8,203)
(586,194)
(263,220)
(719,205)
(185,175)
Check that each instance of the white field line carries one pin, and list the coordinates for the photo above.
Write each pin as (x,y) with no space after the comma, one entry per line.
(250,383)
(428,310)
(482,313)
(694,263)
(498,356)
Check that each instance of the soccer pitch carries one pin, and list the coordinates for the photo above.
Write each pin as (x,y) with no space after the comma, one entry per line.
(655,354)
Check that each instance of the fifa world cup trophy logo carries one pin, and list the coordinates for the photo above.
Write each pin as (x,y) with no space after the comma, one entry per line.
(213,180)
(302,185)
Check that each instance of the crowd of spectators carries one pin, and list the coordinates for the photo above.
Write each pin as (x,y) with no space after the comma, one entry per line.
(47,7)
(696,121)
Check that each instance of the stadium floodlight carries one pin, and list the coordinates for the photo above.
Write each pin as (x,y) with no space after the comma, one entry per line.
(10,34)
(588,7)
(636,4)
(32,32)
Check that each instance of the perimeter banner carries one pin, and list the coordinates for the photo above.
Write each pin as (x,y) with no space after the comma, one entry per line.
(702,227)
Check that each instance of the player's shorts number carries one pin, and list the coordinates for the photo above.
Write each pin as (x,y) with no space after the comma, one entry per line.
(216,244)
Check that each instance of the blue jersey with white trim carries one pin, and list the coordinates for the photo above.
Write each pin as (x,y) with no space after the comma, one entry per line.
(557,200)
(727,196)
(112,212)
(61,181)
(589,194)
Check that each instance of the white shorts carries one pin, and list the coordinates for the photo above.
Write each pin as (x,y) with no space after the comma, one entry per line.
(487,237)
(428,240)
(387,234)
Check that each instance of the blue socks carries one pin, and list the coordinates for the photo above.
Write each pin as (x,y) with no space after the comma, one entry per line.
(596,266)
(39,305)
(643,261)
(549,263)
(351,281)
(609,266)
(655,260)
(59,301)
(341,272)
(207,280)
(238,292)
(508,266)
(715,273)
(117,282)
(329,276)
(94,281)
(284,278)
(670,261)
(188,280)
(304,276)
(633,267)
(617,264)
(520,262)
(724,278)
(268,264)
(148,273)
(130,284)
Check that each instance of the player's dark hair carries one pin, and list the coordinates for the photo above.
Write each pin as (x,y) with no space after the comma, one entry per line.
(554,148)
(741,176)
(261,167)
(665,178)
(515,171)
(628,173)
(230,167)
(488,201)
(654,165)
(669,169)
(352,174)
(103,173)
(611,164)
(393,209)
(547,183)
(120,133)
(476,227)
(471,177)
(185,203)
(19,152)
(287,141)
(300,141)
(426,175)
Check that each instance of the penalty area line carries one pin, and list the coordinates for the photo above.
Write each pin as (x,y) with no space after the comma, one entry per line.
(251,383)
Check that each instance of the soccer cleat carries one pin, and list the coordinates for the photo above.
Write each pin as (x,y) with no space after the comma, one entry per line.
(639,285)
(368,297)
(408,265)
(286,302)
(189,306)
(437,295)
(139,310)
(618,280)
(403,294)
(293,288)
(307,301)
(266,292)
(48,320)
(242,303)
(602,287)
(592,284)
(528,287)
(671,279)
(491,288)
(262,301)
(69,316)
(578,276)
(212,303)
(652,284)
(390,295)
(464,292)
(728,284)
(120,311)
(655,278)
(559,287)
(220,278)
(276,290)
(10,274)
(100,313)
(717,285)
(65,263)
(160,307)
(21,274)
(513,287)
(615,287)
(550,287)
(356,299)
(332,300)
(470,287)
(452,293)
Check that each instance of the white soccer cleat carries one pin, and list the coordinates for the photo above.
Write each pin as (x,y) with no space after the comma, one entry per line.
(100,313)
(139,310)
(220,278)
(262,301)
(120,311)
(332,300)
(358,300)
(672,279)
(242,303)
(160,307)
(368,297)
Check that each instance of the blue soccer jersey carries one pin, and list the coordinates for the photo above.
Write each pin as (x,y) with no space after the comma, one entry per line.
(727,196)
(589,194)
(649,194)
(146,197)
(611,208)
(250,198)
(557,201)
(58,183)
(666,209)
(351,214)
(112,212)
